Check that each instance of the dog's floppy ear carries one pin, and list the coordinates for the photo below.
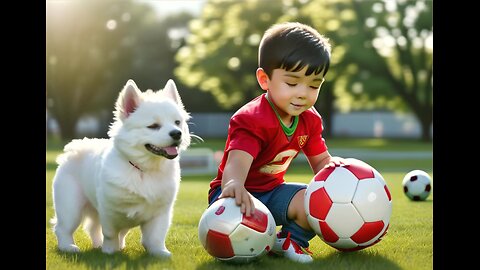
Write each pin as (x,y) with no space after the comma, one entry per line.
(128,100)
(170,90)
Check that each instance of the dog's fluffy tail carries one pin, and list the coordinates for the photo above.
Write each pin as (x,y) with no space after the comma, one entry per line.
(81,146)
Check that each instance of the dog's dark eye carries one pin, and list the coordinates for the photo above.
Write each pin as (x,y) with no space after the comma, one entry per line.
(154,126)
(177,122)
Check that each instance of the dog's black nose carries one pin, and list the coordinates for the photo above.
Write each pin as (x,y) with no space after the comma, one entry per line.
(175,134)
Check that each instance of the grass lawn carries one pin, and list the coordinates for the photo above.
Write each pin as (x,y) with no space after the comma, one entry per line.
(407,245)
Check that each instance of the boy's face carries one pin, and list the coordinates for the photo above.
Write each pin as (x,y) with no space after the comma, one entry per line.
(293,92)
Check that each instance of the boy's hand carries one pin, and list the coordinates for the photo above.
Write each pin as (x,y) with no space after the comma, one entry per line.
(336,162)
(237,190)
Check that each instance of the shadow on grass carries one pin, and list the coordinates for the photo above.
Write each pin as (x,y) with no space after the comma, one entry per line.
(426,201)
(336,260)
(95,259)
(51,166)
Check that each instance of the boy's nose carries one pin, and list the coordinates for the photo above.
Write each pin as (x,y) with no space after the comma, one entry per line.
(302,92)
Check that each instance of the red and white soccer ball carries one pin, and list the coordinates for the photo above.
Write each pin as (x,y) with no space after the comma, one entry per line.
(229,235)
(417,185)
(349,207)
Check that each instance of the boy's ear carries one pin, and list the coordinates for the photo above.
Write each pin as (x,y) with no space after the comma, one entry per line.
(262,78)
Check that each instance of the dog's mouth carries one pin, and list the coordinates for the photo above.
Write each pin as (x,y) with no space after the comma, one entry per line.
(169,152)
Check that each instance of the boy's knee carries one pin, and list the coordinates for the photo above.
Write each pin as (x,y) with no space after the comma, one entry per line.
(296,210)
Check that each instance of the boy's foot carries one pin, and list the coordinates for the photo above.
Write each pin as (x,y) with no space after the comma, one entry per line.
(290,249)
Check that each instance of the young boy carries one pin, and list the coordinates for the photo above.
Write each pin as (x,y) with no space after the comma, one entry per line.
(267,133)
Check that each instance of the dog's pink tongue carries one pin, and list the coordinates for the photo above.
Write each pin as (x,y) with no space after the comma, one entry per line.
(171,150)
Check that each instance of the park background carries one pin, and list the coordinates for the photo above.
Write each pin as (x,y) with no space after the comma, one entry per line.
(376,101)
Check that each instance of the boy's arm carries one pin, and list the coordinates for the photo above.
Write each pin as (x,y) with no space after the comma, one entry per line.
(234,177)
(324,159)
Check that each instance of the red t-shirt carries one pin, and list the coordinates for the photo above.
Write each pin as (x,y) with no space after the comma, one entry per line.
(255,129)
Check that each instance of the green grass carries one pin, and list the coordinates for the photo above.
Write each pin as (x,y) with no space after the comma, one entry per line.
(407,245)
(379,144)
(376,144)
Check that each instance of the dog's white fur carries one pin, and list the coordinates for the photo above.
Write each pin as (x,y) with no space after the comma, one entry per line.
(115,184)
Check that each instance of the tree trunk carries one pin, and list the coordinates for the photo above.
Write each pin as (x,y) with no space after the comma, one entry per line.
(329,98)
(425,120)
(67,125)
(325,109)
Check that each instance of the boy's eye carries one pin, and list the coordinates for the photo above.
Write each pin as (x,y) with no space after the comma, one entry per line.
(154,126)
(317,86)
(291,84)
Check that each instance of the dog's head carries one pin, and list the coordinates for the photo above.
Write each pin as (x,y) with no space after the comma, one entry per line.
(150,124)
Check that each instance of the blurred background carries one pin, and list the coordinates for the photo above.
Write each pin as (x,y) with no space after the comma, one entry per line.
(379,84)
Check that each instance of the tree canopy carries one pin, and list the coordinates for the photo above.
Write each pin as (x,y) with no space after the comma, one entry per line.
(94,47)
(381,55)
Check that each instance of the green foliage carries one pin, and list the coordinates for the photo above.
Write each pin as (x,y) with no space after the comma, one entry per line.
(94,47)
(381,55)
(89,46)
(220,53)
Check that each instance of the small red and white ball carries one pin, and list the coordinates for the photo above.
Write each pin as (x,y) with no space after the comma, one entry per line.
(229,235)
(417,185)
(349,207)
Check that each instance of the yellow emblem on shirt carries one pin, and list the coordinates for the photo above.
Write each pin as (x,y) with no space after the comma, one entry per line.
(302,140)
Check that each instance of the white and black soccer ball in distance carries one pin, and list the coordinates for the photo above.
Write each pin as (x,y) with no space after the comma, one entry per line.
(349,207)
(417,185)
(229,235)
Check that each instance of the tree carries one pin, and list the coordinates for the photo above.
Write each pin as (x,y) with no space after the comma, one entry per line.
(400,33)
(382,54)
(94,47)
(89,51)
(220,55)
(154,60)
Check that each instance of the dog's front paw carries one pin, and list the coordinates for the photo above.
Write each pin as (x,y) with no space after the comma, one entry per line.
(164,253)
(69,248)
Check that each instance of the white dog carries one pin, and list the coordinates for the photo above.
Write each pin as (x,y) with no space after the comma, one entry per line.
(129,180)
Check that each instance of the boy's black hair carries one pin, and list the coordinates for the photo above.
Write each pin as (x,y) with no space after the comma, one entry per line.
(292,46)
